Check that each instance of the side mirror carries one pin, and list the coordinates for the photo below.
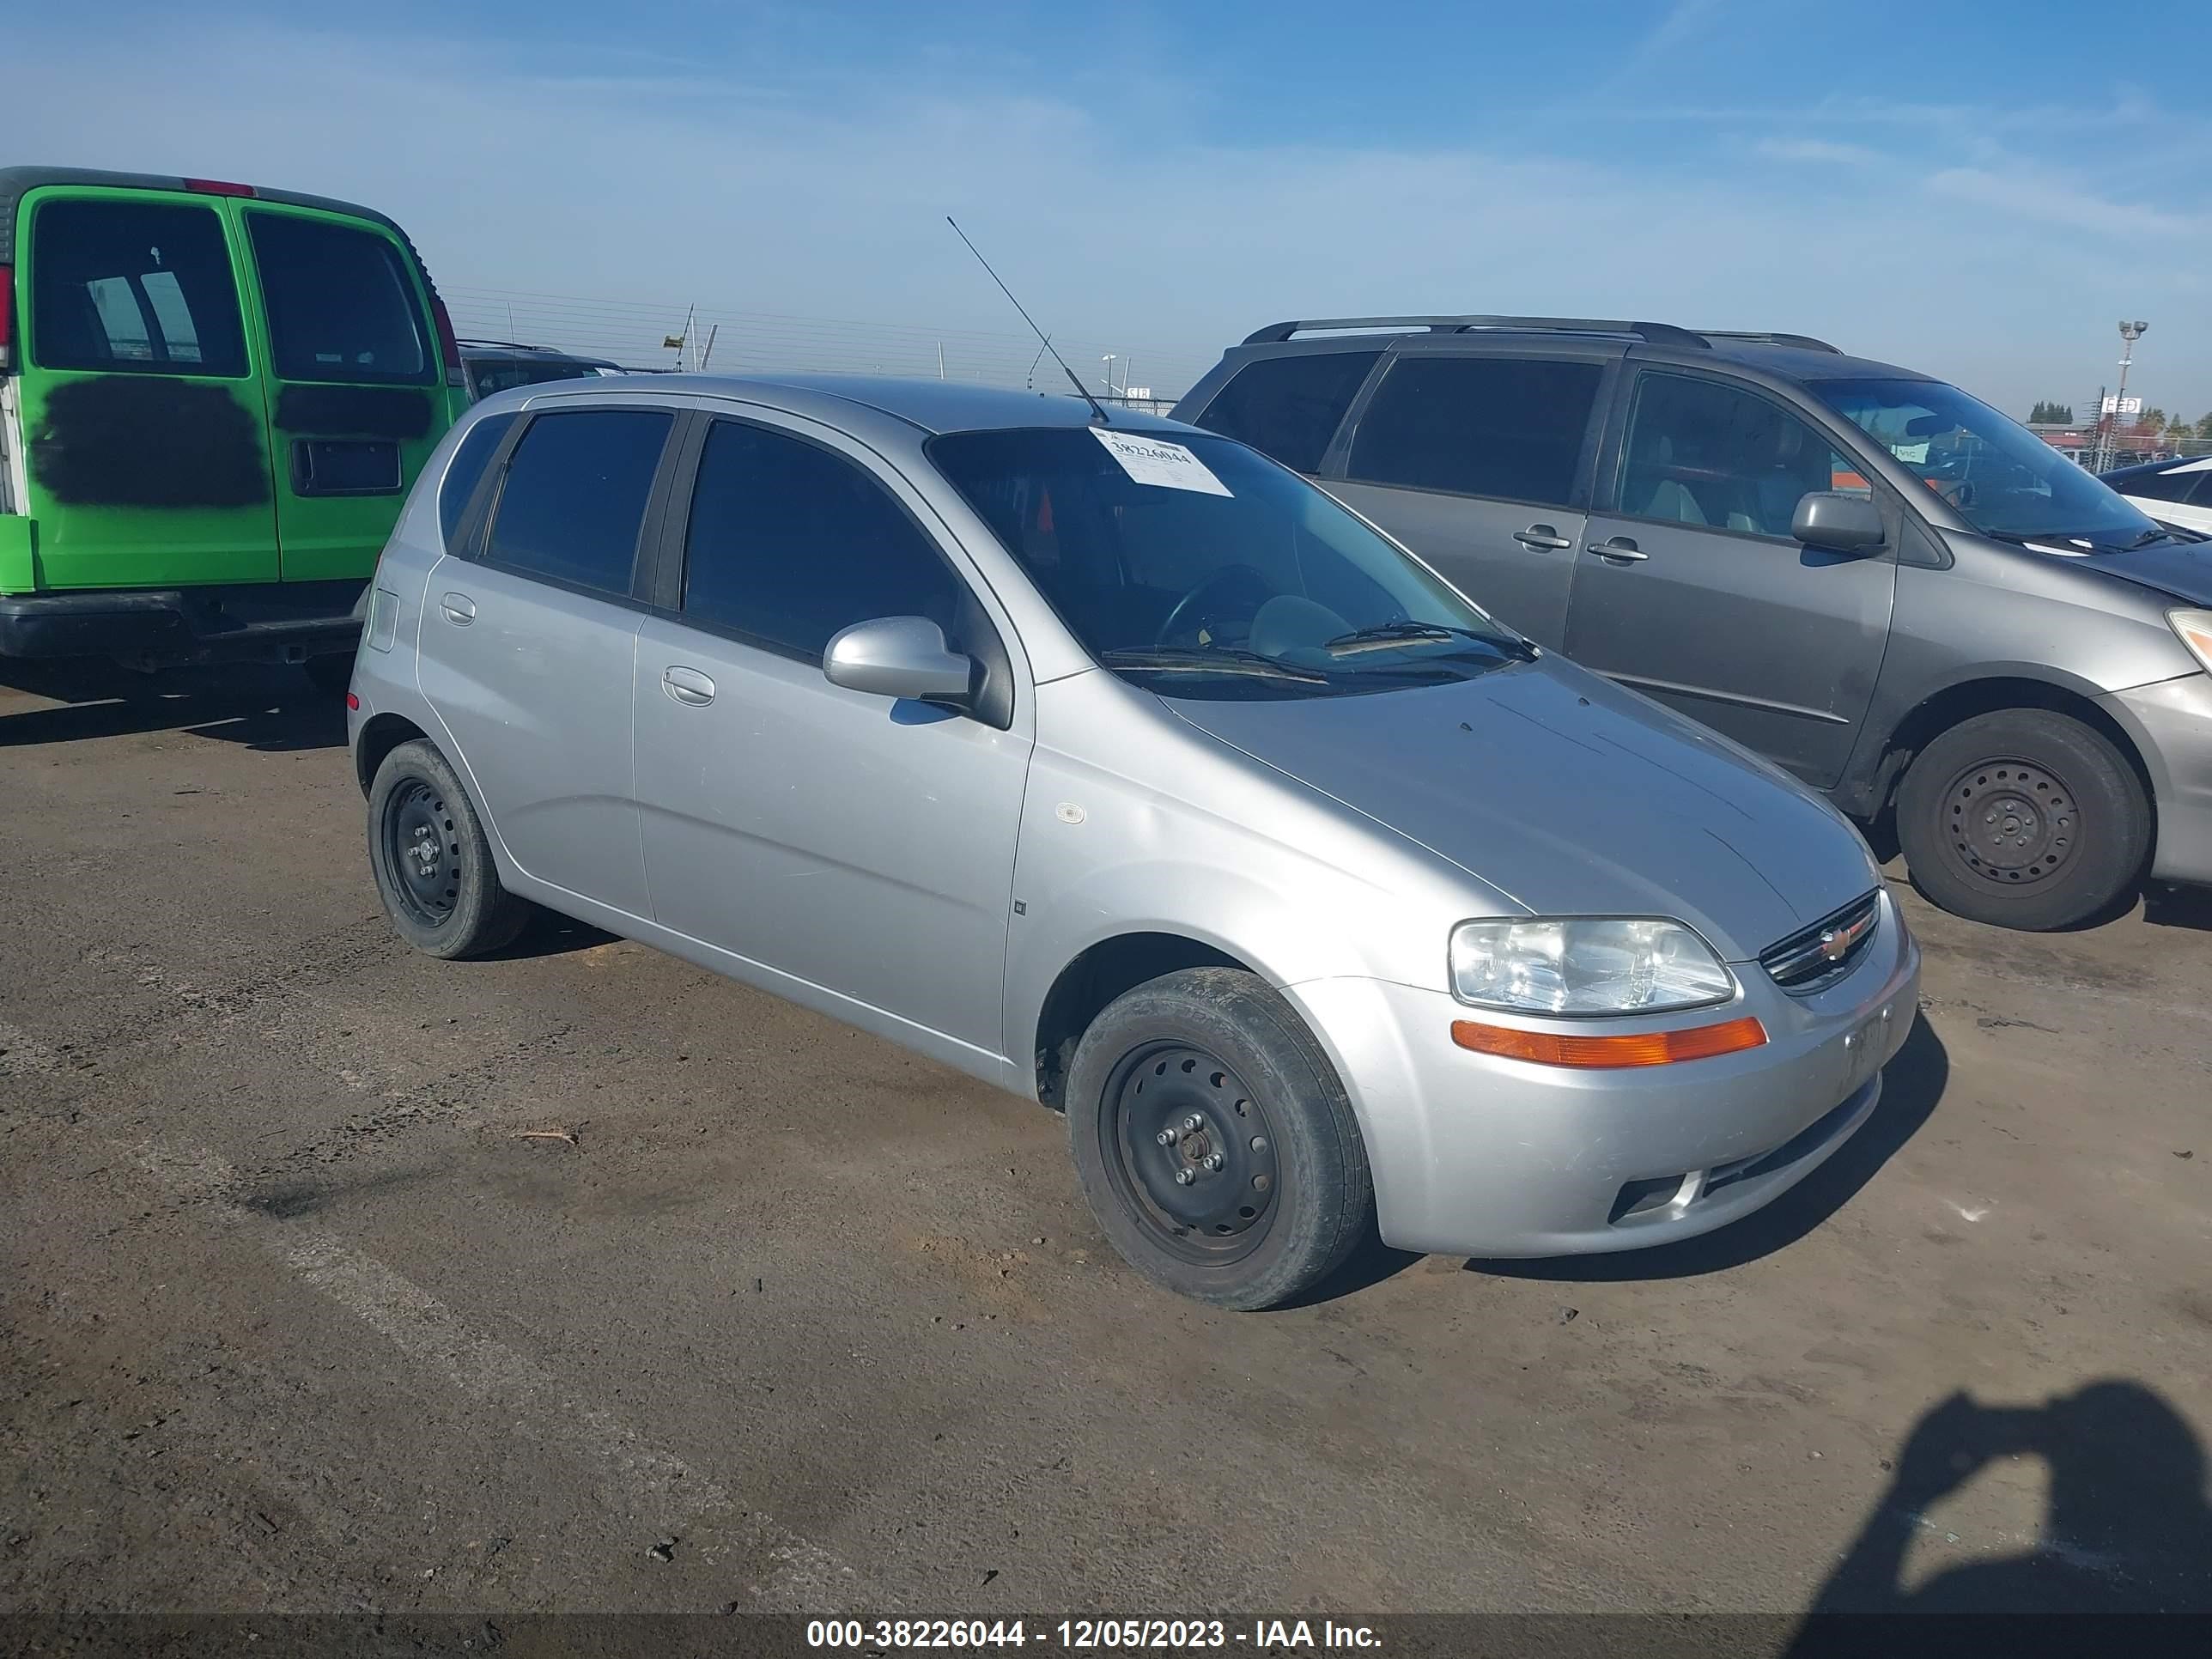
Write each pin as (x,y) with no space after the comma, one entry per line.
(900,657)
(1837,523)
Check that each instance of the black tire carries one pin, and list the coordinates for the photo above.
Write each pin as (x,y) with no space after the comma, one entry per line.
(330,673)
(1291,1197)
(433,863)
(2025,818)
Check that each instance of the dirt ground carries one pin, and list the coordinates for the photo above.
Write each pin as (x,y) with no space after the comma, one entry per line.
(308,1306)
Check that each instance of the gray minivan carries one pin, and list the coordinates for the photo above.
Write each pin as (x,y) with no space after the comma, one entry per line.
(1118,766)
(1869,577)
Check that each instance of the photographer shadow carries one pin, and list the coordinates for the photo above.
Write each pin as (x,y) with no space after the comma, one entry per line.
(2126,1529)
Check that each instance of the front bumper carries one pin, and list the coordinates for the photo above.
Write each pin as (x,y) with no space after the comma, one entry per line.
(270,622)
(1473,1155)
(2171,725)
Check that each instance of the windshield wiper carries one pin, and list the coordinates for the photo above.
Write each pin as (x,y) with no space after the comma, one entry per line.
(1382,635)
(2157,533)
(1219,659)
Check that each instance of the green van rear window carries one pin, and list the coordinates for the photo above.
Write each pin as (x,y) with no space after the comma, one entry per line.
(133,288)
(341,307)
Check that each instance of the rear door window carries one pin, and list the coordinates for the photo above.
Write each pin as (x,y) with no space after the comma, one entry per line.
(138,288)
(342,304)
(574,496)
(1511,428)
(1290,407)
(790,542)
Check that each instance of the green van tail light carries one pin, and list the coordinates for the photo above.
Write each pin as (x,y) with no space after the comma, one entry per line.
(7,313)
(449,345)
(217,187)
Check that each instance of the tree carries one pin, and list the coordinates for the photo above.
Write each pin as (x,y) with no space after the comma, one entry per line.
(2204,429)
(2153,420)
(2050,414)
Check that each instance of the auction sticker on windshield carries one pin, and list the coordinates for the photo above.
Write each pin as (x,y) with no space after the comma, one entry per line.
(1156,461)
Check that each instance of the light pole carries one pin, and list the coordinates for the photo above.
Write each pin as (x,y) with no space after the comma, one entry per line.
(2130,332)
(1109,361)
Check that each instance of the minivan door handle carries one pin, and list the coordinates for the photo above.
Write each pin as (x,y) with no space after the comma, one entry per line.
(687,685)
(1618,549)
(460,609)
(1543,535)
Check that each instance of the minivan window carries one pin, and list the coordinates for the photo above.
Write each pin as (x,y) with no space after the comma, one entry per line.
(790,543)
(462,472)
(1290,407)
(1244,581)
(342,306)
(2000,478)
(1702,453)
(1509,426)
(574,495)
(2162,484)
(133,288)
(500,373)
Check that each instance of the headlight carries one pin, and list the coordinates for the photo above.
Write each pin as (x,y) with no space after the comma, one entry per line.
(2194,627)
(1585,965)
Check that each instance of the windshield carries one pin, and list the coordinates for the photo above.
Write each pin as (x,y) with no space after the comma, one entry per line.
(1197,566)
(2003,479)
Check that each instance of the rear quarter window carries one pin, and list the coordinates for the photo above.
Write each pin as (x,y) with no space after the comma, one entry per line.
(466,470)
(1290,407)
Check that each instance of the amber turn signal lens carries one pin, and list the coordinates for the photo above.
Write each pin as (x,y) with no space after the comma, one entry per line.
(1594,1053)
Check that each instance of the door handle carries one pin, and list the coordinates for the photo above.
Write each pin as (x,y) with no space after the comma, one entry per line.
(687,685)
(1541,535)
(1618,549)
(460,609)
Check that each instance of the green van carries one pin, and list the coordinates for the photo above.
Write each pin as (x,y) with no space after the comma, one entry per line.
(213,399)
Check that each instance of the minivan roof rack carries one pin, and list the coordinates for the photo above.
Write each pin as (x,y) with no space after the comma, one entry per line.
(508,346)
(1802,342)
(1656,333)
(1276,333)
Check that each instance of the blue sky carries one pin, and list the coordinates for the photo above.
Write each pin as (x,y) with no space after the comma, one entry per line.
(1980,189)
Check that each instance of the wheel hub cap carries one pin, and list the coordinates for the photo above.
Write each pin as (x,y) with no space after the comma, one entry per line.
(2010,822)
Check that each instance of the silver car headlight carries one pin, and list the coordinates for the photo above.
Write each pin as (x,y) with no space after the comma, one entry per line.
(2194,627)
(1586,965)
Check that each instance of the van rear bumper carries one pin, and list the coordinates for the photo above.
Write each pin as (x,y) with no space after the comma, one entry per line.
(162,627)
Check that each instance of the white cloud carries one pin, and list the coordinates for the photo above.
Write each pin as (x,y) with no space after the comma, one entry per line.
(1820,151)
(2048,198)
(639,180)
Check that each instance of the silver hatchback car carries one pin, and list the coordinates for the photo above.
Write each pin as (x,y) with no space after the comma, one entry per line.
(1120,766)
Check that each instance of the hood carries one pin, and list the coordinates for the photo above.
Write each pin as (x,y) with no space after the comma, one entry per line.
(1570,796)
(2181,569)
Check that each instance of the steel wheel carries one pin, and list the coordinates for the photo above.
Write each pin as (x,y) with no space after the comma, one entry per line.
(2010,822)
(424,850)
(1189,1147)
(2026,817)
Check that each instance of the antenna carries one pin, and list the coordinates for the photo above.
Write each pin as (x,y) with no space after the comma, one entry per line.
(1082,391)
